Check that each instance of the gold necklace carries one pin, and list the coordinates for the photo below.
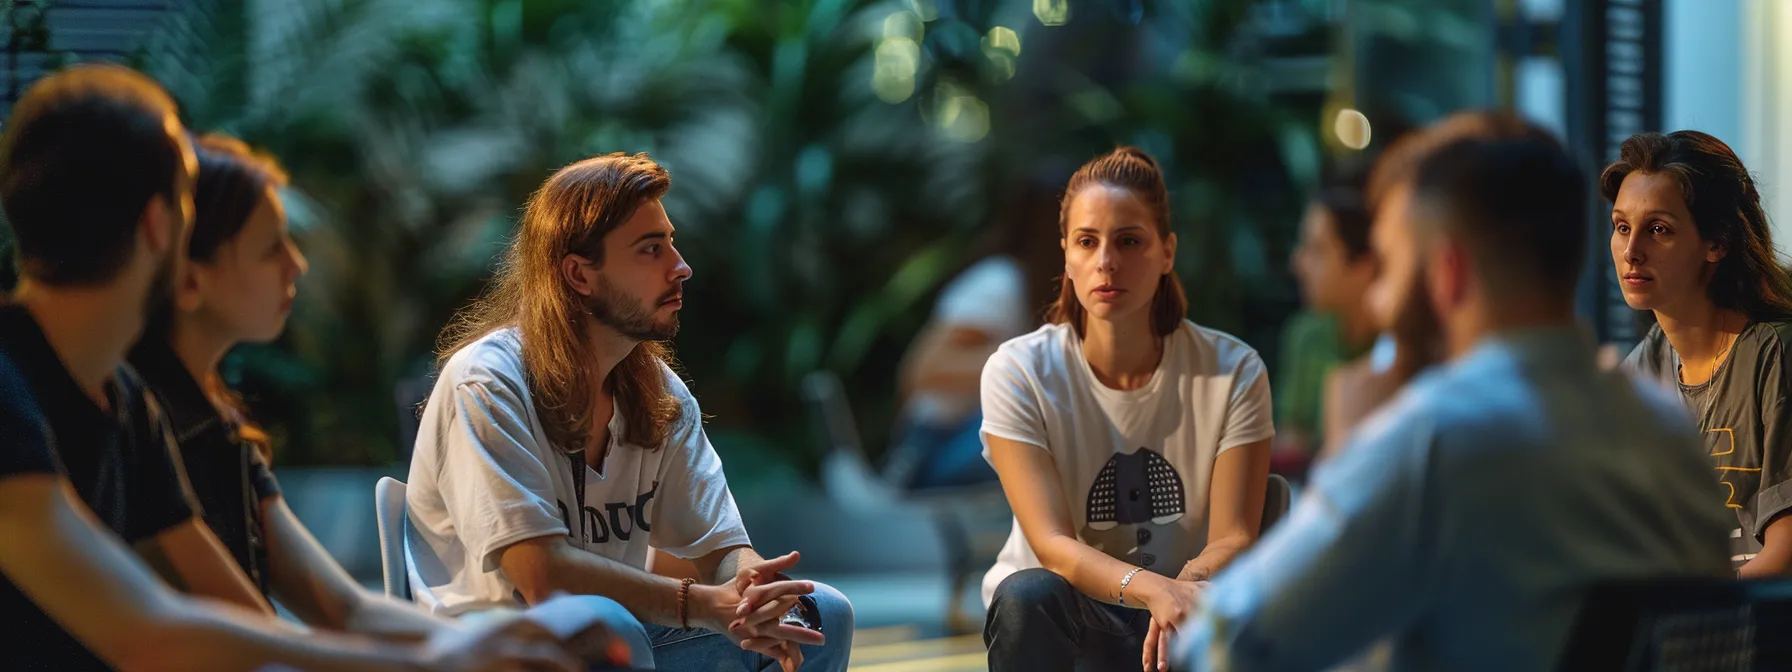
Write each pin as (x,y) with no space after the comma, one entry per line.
(1709,396)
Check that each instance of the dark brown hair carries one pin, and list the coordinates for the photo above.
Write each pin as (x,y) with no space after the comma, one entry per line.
(1128,168)
(1400,163)
(1726,209)
(1341,197)
(571,214)
(1519,201)
(85,150)
(233,179)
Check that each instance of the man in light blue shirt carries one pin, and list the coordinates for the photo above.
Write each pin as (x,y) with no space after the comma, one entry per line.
(1465,520)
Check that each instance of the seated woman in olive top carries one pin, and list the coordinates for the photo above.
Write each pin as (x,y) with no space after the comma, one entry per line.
(1691,243)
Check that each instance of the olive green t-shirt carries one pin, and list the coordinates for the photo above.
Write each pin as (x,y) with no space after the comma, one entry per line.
(1312,346)
(1743,413)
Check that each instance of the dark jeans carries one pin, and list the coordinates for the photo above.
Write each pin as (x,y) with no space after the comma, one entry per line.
(1038,622)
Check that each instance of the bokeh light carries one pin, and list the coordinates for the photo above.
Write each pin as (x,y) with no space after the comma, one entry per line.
(1002,47)
(959,113)
(928,10)
(1352,128)
(1052,12)
(898,57)
(904,24)
(893,77)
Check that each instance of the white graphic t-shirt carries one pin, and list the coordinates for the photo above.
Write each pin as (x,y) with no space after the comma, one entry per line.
(1134,464)
(483,477)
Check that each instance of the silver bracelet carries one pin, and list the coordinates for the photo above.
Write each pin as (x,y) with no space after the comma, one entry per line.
(1126,580)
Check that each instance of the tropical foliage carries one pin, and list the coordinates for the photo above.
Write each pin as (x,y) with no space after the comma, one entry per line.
(834,162)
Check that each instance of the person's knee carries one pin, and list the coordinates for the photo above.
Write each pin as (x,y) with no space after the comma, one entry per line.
(836,614)
(837,626)
(624,626)
(1029,589)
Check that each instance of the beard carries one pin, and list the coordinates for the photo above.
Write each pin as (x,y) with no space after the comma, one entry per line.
(1416,327)
(158,302)
(629,316)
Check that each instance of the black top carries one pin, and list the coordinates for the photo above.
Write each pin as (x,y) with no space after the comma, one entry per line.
(226,473)
(1746,417)
(121,459)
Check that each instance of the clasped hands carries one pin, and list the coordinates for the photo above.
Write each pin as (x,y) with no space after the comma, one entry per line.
(749,609)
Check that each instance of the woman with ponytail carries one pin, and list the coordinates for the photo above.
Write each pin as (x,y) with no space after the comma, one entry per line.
(1133,444)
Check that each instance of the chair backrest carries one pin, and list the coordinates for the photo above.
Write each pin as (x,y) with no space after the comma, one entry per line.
(389,511)
(1665,625)
(1276,498)
(825,396)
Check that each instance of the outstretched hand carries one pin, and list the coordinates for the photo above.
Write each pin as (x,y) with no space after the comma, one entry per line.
(513,644)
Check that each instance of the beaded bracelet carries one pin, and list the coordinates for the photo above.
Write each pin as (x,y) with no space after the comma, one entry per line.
(684,602)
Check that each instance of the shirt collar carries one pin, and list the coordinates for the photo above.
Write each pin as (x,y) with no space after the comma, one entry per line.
(1568,346)
(187,406)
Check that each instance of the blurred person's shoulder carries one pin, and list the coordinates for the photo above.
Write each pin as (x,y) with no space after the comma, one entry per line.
(1653,356)
(22,420)
(990,296)
(1438,400)
(495,359)
(1663,405)
(997,271)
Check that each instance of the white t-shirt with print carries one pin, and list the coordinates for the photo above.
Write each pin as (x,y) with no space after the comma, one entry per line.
(484,477)
(1134,465)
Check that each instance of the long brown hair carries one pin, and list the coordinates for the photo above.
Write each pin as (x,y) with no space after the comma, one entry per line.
(1128,168)
(571,214)
(1726,209)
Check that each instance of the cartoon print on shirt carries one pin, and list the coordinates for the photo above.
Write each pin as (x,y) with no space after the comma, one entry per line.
(623,519)
(1131,495)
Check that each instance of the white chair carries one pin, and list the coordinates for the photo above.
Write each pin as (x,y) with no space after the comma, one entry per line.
(408,564)
(394,523)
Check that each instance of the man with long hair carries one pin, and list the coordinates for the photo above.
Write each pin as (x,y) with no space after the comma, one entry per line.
(559,448)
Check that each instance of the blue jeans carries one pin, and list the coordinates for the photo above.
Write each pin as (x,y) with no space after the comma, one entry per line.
(657,647)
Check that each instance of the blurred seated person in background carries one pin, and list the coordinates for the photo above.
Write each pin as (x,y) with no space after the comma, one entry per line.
(1466,519)
(937,443)
(96,179)
(1334,266)
(1409,340)
(985,305)
(559,446)
(1690,242)
(1132,444)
